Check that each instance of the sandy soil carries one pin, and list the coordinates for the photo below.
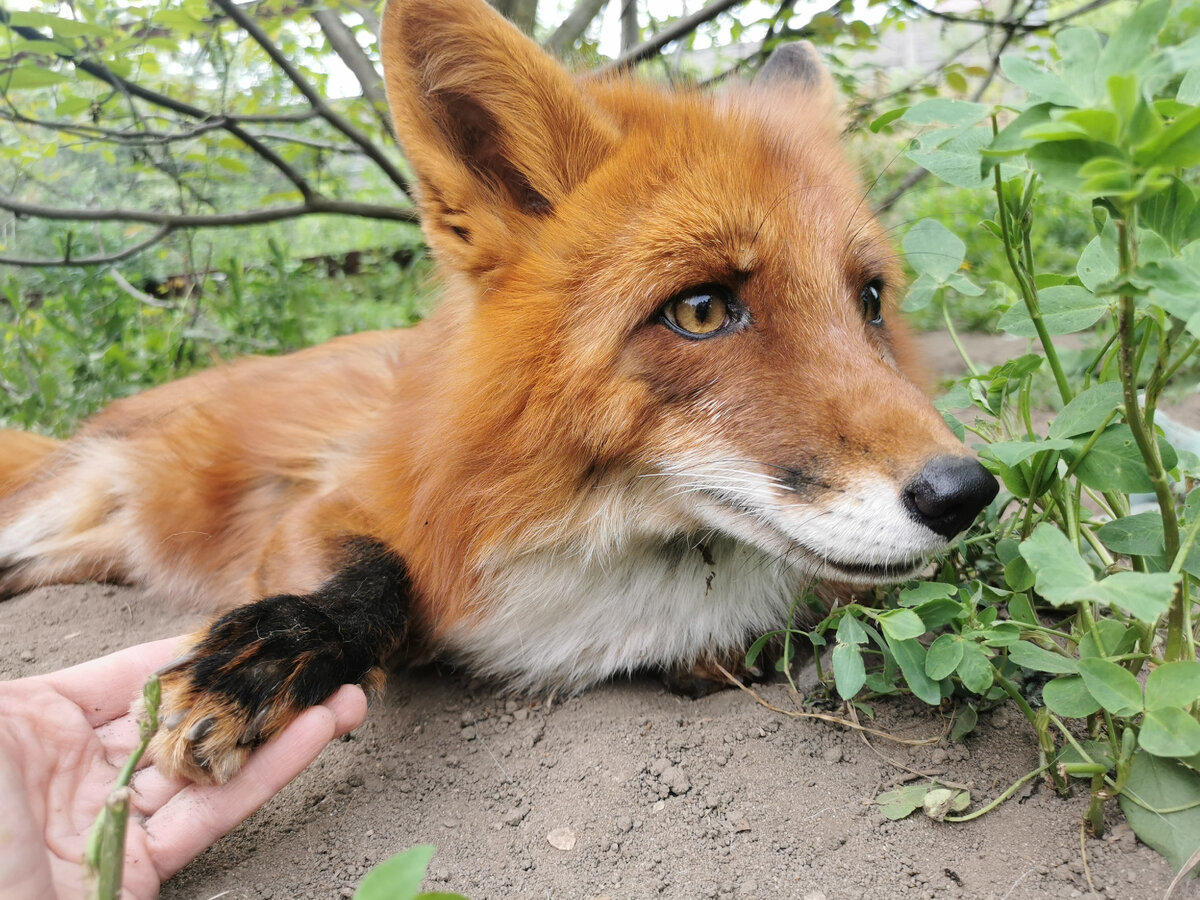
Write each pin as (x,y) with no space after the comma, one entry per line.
(666,797)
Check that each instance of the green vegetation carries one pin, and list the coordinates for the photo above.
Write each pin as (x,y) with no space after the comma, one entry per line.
(1075,598)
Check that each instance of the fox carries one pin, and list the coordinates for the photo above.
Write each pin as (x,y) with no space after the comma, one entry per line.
(665,390)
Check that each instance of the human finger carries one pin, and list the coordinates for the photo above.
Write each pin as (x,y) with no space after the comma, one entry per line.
(199,814)
(152,789)
(103,688)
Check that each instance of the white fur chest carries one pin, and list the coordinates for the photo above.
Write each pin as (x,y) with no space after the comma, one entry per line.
(553,620)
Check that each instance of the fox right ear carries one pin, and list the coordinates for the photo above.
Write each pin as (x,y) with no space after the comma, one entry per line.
(496,131)
(797,66)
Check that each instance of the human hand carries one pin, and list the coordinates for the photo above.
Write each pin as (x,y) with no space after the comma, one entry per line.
(64,738)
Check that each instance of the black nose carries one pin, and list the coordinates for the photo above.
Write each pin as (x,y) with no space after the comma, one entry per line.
(949,493)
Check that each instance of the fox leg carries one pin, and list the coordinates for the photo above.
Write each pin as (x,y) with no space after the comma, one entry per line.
(259,666)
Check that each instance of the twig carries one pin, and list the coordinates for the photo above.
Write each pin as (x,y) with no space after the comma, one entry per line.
(823,717)
(139,296)
(99,260)
(672,32)
(324,110)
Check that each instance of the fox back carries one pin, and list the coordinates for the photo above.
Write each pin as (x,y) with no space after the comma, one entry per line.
(664,391)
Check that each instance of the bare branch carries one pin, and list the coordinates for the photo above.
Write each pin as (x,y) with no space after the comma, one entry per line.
(573,26)
(1018,24)
(140,296)
(316,204)
(100,260)
(326,112)
(629,25)
(672,32)
(344,44)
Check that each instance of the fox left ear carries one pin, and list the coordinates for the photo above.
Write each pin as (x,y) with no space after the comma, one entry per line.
(496,131)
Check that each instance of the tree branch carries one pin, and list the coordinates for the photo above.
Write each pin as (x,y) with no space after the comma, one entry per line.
(672,32)
(573,26)
(1018,24)
(317,204)
(103,73)
(100,260)
(344,44)
(324,110)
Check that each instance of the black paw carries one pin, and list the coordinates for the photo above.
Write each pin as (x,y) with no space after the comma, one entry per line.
(246,677)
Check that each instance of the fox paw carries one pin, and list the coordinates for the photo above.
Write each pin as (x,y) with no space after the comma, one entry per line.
(244,679)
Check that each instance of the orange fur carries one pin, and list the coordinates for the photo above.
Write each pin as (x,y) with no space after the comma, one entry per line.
(544,413)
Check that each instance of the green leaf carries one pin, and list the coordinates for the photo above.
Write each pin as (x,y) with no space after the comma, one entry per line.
(1019,607)
(30,75)
(1169,731)
(900,803)
(936,613)
(1037,81)
(1116,689)
(1163,784)
(849,671)
(926,591)
(1019,577)
(1175,684)
(1176,147)
(850,631)
(910,655)
(881,122)
(1057,565)
(1065,309)
(901,624)
(957,161)
(1012,453)
(397,878)
(933,249)
(1135,535)
(1098,264)
(1144,595)
(921,293)
(965,720)
(1114,462)
(1133,42)
(943,657)
(1087,410)
(975,669)
(1107,637)
(1031,656)
(1069,697)
(1058,162)
(948,112)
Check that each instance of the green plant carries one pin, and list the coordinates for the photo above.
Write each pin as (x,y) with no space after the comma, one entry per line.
(1074,598)
(104,855)
(400,877)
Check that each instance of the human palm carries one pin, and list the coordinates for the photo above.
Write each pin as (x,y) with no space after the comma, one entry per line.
(65,736)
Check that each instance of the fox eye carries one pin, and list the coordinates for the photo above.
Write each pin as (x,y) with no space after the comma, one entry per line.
(701,312)
(871,297)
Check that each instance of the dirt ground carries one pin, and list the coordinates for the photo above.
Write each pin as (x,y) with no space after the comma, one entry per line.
(666,797)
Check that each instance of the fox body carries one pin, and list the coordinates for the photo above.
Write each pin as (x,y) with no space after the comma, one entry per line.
(663,392)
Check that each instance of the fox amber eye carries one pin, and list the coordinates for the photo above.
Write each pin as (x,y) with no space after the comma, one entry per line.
(871,297)
(702,312)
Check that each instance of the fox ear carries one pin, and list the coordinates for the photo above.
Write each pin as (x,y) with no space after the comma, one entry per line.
(496,131)
(797,67)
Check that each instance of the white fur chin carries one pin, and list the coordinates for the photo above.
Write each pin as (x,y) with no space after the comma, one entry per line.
(554,621)
(563,617)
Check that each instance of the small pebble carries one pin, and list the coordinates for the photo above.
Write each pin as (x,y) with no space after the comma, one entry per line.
(562,839)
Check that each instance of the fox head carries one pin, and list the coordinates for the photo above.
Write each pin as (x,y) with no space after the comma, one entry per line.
(669,312)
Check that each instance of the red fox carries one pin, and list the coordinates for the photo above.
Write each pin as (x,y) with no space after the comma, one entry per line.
(664,391)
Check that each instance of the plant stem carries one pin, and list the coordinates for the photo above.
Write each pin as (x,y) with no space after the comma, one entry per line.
(1028,288)
(1144,437)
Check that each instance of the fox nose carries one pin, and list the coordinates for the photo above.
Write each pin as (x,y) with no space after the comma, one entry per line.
(949,493)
